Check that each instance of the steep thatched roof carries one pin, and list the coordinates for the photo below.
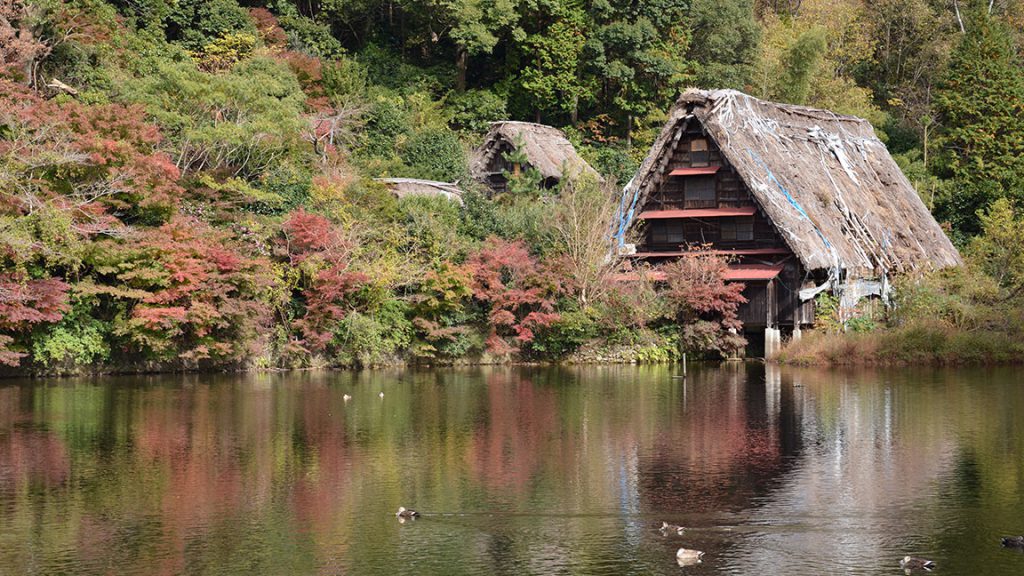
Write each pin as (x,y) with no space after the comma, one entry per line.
(546,149)
(402,187)
(826,181)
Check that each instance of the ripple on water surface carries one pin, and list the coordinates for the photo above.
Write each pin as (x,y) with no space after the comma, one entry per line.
(516,471)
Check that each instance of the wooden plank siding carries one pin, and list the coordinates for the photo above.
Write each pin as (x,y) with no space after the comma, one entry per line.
(753,237)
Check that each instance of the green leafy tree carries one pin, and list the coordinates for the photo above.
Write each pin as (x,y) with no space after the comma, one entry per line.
(725,42)
(636,52)
(997,250)
(981,110)
(550,73)
(435,154)
(801,62)
(474,26)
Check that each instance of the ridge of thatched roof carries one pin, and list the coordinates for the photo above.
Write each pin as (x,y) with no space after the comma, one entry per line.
(402,187)
(825,180)
(546,148)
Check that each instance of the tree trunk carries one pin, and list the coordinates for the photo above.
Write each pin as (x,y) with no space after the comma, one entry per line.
(574,115)
(461,61)
(536,116)
(629,131)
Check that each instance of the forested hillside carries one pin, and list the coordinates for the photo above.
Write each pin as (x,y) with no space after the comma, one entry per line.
(188,184)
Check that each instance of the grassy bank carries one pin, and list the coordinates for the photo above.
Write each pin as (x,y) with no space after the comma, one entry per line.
(918,343)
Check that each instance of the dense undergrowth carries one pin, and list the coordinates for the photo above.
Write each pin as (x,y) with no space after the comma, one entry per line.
(968,315)
(190,184)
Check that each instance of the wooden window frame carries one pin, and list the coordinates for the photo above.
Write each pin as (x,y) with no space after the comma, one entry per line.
(704,201)
(738,229)
(700,153)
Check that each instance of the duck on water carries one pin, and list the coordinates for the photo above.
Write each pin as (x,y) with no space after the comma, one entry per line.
(667,529)
(1013,542)
(687,557)
(404,513)
(909,564)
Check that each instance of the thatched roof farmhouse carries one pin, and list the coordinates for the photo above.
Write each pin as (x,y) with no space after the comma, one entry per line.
(546,149)
(804,200)
(402,187)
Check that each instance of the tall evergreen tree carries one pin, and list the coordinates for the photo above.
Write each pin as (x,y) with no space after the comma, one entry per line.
(981,111)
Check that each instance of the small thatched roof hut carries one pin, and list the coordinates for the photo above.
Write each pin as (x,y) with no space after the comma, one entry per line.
(545,148)
(402,187)
(825,181)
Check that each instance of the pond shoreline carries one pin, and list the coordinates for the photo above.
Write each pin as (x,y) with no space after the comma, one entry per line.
(35,374)
(917,344)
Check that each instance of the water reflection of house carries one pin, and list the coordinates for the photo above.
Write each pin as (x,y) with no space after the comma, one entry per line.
(803,201)
(543,148)
(732,440)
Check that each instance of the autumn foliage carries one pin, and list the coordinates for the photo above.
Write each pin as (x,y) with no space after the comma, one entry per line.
(191,294)
(316,246)
(25,303)
(516,290)
(98,163)
(706,306)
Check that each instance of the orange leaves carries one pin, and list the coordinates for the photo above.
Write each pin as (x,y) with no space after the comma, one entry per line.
(518,290)
(706,305)
(200,297)
(697,288)
(316,242)
(97,162)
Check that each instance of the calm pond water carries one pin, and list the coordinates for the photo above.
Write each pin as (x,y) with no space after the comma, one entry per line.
(516,471)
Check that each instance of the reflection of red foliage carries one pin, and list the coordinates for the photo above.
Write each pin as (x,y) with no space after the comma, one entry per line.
(33,457)
(720,447)
(519,293)
(512,446)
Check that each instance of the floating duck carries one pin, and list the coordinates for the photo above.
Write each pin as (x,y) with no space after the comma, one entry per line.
(1013,542)
(381,395)
(909,563)
(346,397)
(403,513)
(667,528)
(687,557)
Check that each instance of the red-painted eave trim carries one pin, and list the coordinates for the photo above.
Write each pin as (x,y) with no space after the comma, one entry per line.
(702,171)
(697,213)
(741,272)
(737,252)
(653,275)
(735,273)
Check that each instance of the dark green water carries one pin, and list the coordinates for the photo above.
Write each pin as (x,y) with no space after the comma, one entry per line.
(517,471)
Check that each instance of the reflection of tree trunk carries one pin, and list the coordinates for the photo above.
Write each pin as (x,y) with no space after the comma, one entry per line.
(461,58)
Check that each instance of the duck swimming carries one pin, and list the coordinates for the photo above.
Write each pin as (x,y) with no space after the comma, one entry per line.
(1013,541)
(403,513)
(909,563)
(667,528)
(687,557)
(346,397)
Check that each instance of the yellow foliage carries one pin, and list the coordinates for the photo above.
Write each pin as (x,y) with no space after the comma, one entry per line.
(849,42)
